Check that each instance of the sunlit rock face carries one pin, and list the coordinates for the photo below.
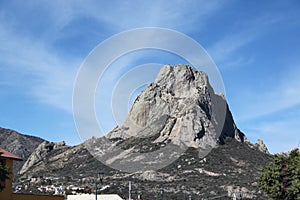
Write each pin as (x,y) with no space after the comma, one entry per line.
(184,109)
(179,110)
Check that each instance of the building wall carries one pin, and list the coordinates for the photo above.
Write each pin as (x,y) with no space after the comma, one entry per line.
(6,193)
(16,196)
(92,197)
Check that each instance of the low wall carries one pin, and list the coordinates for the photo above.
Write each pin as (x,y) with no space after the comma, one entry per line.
(92,197)
(16,196)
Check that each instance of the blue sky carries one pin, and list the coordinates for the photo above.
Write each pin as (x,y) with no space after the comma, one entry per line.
(255,45)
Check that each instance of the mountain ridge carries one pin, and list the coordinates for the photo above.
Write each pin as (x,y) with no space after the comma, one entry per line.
(19,144)
(181,113)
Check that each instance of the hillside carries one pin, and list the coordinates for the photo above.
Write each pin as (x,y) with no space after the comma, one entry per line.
(229,168)
(18,144)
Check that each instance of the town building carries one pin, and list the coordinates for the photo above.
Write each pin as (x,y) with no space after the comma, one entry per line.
(6,159)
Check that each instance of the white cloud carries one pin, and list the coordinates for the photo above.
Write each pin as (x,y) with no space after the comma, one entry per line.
(281,94)
(272,111)
(279,135)
(123,15)
(228,45)
(48,76)
(270,97)
(257,106)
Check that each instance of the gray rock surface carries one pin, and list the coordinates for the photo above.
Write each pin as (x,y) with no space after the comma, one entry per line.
(194,114)
(261,146)
(40,153)
(178,110)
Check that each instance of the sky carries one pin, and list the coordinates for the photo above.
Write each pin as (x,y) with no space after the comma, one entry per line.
(254,44)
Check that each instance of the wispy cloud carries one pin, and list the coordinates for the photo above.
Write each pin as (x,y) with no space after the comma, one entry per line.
(48,77)
(42,45)
(225,52)
(250,30)
(50,74)
(279,134)
(271,98)
(260,102)
(177,15)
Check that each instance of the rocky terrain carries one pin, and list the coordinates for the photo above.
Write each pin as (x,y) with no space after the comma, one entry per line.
(179,137)
(177,111)
(230,168)
(19,144)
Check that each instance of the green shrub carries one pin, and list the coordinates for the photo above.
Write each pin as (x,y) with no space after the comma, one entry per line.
(4,172)
(281,177)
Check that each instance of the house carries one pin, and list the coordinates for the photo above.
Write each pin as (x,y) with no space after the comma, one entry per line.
(7,159)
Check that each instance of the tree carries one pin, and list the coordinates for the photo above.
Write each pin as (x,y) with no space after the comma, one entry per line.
(281,177)
(4,172)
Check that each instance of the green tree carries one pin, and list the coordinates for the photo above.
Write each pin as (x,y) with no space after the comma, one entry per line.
(4,172)
(281,177)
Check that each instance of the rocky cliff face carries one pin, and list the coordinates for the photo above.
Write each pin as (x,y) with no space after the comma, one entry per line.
(178,110)
(260,145)
(181,96)
(39,154)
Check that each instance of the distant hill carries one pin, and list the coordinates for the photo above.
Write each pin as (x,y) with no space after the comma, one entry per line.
(18,144)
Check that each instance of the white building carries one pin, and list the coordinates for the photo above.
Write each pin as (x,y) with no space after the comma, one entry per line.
(92,197)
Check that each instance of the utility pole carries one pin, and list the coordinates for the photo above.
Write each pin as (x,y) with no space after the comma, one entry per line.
(162,193)
(129,191)
(100,176)
(96,188)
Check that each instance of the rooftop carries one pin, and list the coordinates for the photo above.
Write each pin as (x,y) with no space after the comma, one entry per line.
(8,155)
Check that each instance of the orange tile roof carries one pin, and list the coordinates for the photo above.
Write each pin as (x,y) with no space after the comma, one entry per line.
(6,154)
